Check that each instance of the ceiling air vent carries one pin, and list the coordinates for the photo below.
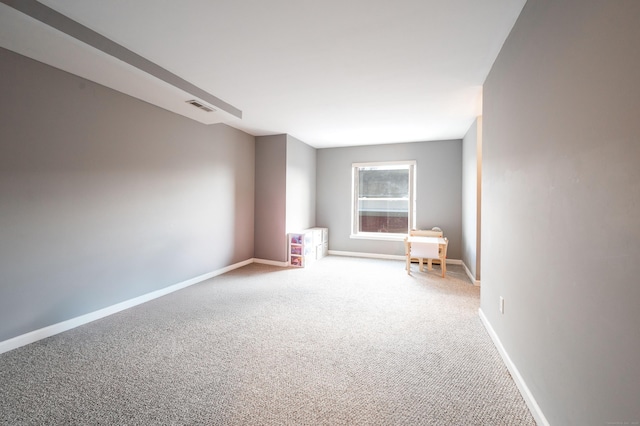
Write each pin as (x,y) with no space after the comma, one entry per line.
(201,105)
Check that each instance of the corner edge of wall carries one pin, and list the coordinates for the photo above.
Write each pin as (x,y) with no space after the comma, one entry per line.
(531,402)
(470,275)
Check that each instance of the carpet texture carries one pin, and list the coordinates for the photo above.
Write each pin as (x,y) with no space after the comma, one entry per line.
(345,341)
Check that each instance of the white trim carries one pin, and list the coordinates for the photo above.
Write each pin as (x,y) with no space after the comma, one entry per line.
(383,256)
(51,330)
(378,236)
(536,412)
(271,262)
(470,275)
(369,255)
(385,163)
(412,166)
(230,268)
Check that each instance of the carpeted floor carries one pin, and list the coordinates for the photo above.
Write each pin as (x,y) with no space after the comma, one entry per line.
(346,341)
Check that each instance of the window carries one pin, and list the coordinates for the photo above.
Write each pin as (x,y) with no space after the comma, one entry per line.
(383,199)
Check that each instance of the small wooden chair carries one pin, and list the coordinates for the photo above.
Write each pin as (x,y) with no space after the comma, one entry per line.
(423,233)
(419,255)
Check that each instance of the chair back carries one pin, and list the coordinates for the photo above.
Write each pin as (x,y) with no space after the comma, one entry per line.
(425,233)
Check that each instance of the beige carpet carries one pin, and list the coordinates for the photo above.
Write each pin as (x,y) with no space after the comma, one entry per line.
(346,341)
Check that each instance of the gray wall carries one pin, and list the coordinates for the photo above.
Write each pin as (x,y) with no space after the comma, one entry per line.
(301,185)
(561,207)
(439,172)
(471,197)
(104,198)
(271,198)
(285,193)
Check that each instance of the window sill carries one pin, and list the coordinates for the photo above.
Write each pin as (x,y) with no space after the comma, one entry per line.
(378,237)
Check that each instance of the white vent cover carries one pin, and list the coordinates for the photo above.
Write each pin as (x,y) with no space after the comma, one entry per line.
(201,105)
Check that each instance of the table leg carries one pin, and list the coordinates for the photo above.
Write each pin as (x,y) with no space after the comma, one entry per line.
(408,267)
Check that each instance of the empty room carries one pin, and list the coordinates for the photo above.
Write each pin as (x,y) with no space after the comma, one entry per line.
(337,213)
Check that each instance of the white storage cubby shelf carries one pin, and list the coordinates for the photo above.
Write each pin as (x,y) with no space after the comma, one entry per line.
(307,246)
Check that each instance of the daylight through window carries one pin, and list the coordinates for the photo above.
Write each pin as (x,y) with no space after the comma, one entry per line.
(383,199)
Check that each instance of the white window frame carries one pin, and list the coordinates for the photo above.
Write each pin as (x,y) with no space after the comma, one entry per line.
(388,236)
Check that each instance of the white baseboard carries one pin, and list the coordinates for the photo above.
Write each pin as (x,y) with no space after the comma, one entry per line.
(383,256)
(51,330)
(536,412)
(271,262)
(470,275)
(369,255)
(54,329)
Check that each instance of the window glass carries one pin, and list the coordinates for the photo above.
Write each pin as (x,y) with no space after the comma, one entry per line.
(383,198)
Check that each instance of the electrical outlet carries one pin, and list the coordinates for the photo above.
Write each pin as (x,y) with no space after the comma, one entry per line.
(501,305)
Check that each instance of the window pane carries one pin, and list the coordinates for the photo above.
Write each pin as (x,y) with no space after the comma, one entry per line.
(383,198)
(384,183)
(383,216)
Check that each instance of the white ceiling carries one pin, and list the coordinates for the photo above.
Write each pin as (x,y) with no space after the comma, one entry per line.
(328,72)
